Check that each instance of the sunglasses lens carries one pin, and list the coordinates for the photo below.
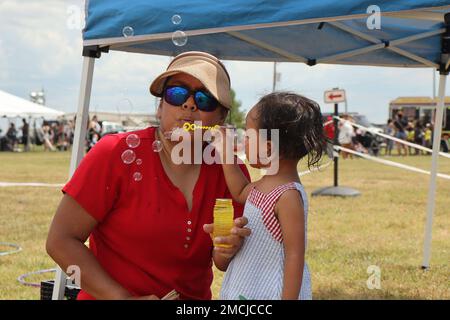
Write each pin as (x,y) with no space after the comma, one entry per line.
(205,102)
(176,95)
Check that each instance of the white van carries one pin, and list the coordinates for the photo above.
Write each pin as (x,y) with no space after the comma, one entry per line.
(111,127)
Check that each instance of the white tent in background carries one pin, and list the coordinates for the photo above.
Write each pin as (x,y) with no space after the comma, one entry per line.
(13,106)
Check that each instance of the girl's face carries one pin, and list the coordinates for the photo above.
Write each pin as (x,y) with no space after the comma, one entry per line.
(253,142)
(176,116)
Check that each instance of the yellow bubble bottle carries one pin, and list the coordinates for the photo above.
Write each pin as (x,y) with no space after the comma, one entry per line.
(223,220)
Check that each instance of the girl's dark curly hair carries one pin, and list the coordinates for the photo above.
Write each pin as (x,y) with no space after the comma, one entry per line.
(299,122)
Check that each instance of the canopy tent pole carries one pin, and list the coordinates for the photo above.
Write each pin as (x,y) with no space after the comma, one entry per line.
(434,168)
(82,113)
(77,149)
(439,115)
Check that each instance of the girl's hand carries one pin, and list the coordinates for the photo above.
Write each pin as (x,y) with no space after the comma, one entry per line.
(235,239)
(223,141)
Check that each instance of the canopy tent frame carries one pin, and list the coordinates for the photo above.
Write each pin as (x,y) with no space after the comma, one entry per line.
(378,44)
(390,45)
(118,42)
(93,49)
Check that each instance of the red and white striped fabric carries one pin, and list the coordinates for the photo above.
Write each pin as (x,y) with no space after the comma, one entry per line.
(267,202)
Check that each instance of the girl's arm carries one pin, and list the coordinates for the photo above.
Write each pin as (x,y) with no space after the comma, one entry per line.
(290,213)
(237,182)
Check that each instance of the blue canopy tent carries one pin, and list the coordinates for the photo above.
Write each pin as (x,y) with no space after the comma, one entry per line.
(413,34)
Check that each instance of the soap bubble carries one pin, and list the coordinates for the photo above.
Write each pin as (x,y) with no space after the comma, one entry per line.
(208,137)
(128,156)
(176,19)
(128,31)
(137,176)
(169,133)
(139,162)
(157,146)
(179,38)
(133,140)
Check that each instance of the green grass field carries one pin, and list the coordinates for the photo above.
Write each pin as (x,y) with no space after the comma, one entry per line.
(383,227)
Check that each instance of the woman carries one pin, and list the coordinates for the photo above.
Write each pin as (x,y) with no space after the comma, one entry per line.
(149,219)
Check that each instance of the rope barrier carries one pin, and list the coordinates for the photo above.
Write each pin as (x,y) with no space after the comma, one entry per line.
(410,144)
(304,173)
(327,123)
(390,163)
(30,184)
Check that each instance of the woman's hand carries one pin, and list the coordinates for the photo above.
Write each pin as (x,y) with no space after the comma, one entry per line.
(223,256)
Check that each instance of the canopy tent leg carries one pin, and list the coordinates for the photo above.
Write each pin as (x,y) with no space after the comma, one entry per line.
(434,167)
(77,149)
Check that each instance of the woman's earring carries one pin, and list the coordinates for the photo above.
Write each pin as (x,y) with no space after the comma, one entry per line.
(157,144)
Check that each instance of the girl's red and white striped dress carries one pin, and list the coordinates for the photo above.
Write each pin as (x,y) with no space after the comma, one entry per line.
(256,272)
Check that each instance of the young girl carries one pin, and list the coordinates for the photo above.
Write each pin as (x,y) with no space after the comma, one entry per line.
(271,263)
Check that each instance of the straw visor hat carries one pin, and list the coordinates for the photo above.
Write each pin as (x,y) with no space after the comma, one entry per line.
(202,66)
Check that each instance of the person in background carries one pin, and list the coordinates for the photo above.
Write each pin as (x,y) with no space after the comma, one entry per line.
(410,137)
(346,134)
(48,145)
(360,140)
(3,142)
(418,136)
(400,133)
(25,135)
(69,130)
(93,140)
(390,130)
(95,125)
(328,129)
(38,135)
(61,137)
(94,133)
(11,135)
(445,144)
(428,136)
(54,134)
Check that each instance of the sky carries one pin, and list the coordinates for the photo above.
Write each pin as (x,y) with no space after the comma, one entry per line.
(41,44)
